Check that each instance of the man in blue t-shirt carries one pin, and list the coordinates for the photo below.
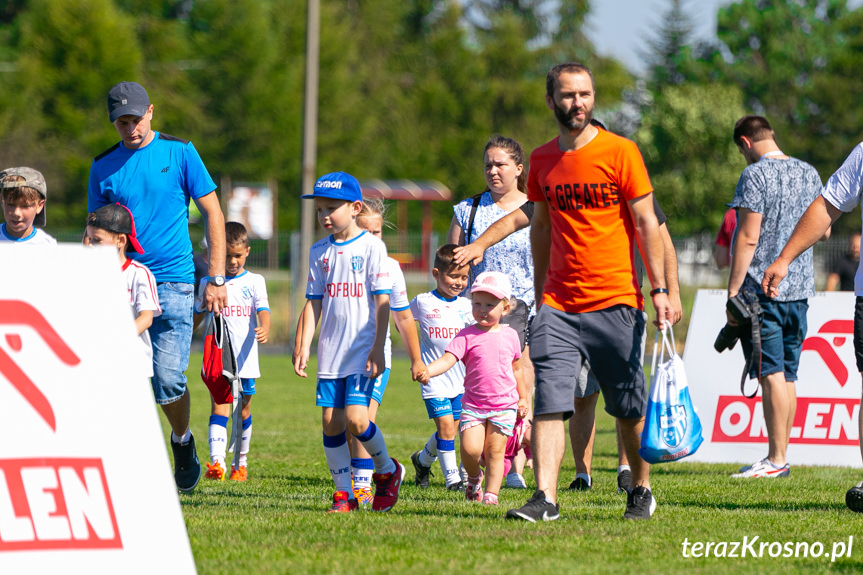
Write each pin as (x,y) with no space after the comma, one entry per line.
(155,175)
(771,196)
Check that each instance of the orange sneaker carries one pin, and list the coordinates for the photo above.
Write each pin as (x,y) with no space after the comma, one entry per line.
(239,474)
(342,503)
(215,472)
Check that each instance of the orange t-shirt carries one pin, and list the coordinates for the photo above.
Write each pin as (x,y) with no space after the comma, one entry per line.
(591,265)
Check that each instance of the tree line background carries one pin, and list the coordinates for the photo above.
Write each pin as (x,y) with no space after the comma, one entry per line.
(414,88)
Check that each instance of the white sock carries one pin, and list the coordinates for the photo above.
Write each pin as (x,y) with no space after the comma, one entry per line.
(448,461)
(245,440)
(373,441)
(584,476)
(428,454)
(339,460)
(623,468)
(361,470)
(218,435)
(184,439)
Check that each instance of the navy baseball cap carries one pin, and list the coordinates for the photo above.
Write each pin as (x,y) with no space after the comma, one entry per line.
(127,99)
(337,186)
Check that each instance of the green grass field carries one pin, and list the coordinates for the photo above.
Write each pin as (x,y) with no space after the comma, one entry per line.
(275,523)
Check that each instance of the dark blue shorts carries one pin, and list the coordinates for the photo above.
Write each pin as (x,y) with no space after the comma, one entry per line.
(783,329)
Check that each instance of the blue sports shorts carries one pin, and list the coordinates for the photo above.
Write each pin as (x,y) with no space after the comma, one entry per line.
(381,386)
(441,406)
(354,389)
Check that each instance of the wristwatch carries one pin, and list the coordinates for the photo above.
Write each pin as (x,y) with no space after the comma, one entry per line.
(217,281)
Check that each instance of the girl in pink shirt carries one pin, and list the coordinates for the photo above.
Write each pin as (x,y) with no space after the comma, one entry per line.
(494,391)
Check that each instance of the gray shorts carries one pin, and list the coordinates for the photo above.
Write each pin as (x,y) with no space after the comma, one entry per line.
(610,341)
(587,384)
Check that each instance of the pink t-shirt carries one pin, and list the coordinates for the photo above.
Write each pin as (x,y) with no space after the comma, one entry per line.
(489,383)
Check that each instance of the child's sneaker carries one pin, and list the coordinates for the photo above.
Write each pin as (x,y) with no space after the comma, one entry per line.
(515,481)
(489,499)
(387,487)
(342,503)
(457,486)
(422,472)
(215,472)
(363,495)
(473,491)
(240,474)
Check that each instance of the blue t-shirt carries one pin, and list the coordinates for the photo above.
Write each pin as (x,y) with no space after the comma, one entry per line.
(156,183)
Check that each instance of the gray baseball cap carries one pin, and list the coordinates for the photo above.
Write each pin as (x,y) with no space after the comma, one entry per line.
(31,179)
(127,99)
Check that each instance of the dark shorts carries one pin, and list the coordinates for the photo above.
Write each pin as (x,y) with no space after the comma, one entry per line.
(610,340)
(783,328)
(858,332)
(517,320)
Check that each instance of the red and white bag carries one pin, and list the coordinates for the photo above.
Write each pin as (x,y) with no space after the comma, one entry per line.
(219,369)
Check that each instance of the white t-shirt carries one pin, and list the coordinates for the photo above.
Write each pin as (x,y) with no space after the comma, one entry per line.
(247,295)
(440,320)
(398,301)
(143,296)
(37,237)
(843,191)
(346,276)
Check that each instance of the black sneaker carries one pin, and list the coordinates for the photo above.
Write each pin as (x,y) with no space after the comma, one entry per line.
(457,486)
(580,484)
(187,468)
(640,504)
(624,478)
(422,472)
(536,509)
(854,498)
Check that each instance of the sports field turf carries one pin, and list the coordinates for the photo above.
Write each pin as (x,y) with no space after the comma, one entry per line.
(275,523)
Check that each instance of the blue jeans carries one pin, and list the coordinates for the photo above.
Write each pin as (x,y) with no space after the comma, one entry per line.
(171,335)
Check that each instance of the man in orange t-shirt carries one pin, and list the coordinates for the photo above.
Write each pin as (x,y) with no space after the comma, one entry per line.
(593,201)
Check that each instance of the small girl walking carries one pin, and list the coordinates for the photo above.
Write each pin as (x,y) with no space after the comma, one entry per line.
(494,390)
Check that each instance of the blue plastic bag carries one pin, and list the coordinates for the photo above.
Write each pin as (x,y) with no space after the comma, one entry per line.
(672,429)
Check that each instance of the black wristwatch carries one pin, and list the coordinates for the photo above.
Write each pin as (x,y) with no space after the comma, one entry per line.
(217,281)
(658,290)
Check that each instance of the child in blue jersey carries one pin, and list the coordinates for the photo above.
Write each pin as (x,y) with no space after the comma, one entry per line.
(349,292)
(247,317)
(22,195)
(441,314)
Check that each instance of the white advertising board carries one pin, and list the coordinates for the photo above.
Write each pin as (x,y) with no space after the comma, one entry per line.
(86,485)
(825,430)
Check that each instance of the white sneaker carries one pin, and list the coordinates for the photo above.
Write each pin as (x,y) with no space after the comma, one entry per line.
(515,481)
(763,468)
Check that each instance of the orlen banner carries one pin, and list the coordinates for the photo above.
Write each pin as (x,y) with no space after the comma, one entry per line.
(825,428)
(86,485)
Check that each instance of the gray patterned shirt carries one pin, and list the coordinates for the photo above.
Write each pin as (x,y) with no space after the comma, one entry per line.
(779,190)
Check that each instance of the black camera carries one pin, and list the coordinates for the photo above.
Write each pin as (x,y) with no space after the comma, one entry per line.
(744,308)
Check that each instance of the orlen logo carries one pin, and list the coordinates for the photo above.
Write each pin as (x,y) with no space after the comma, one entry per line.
(818,420)
(49,503)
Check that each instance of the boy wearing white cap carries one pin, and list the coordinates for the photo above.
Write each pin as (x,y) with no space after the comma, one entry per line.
(495,394)
(349,292)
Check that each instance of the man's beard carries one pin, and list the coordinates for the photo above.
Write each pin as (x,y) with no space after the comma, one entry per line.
(569,121)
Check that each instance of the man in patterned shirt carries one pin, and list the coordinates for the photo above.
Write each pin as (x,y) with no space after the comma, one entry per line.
(771,196)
